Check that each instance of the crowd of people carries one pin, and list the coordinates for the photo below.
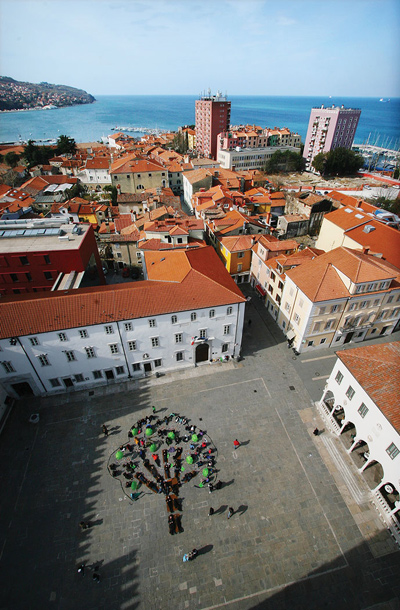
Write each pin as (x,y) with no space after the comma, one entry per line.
(173,451)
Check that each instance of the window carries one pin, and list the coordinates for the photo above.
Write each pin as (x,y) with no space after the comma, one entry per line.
(350,392)
(34,340)
(136,366)
(322,311)
(79,378)
(48,275)
(203,333)
(28,277)
(109,330)
(174,319)
(273,276)
(55,383)
(334,308)
(131,346)
(8,367)
(83,334)
(70,356)
(363,410)
(227,329)
(14,277)
(310,343)
(280,286)
(390,299)
(113,348)
(97,374)
(193,316)
(179,356)
(43,359)
(392,451)
(297,319)
(128,326)
(24,260)
(211,313)
(157,362)
(329,324)
(239,267)
(120,370)
(225,347)
(323,340)
(178,338)
(339,378)
(229,311)
(152,322)
(240,254)
(62,337)
(90,352)
(155,342)
(287,306)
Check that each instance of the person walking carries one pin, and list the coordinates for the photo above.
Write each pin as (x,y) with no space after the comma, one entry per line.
(230,512)
(153,409)
(236,443)
(84,525)
(105,430)
(96,575)
(316,432)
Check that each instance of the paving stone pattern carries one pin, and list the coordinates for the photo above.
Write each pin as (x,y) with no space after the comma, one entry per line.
(293,542)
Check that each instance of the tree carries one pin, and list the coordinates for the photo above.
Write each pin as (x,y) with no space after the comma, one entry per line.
(11,158)
(37,155)
(110,188)
(78,190)
(338,162)
(180,143)
(396,173)
(66,145)
(286,161)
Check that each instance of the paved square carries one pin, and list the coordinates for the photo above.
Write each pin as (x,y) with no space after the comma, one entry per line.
(292,542)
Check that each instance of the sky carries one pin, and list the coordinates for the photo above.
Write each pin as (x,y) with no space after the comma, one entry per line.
(244,47)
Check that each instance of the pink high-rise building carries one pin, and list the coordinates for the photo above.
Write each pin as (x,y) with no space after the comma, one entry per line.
(330,128)
(213,115)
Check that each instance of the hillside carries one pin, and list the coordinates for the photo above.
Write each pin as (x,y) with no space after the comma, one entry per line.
(18,95)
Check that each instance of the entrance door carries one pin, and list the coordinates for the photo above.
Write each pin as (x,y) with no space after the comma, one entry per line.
(384,329)
(202,351)
(109,374)
(147,367)
(22,389)
(349,337)
(68,382)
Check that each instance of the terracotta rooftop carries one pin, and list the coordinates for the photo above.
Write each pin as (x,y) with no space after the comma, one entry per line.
(319,279)
(376,369)
(178,281)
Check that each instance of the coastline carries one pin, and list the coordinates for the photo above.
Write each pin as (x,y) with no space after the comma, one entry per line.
(46,107)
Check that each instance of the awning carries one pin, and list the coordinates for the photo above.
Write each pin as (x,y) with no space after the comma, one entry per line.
(290,335)
(261,290)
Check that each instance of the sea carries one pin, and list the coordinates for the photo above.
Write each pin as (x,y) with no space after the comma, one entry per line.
(379,122)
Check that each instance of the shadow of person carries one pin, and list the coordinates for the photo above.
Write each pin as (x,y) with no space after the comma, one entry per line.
(242,509)
(227,483)
(205,549)
(115,430)
(244,443)
(94,523)
(221,509)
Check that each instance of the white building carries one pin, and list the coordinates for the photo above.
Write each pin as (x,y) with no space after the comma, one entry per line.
(96,172)
(242,159)
(361,404)
(187,311)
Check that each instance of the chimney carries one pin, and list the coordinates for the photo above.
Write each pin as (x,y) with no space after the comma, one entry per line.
(359,203)
(300,189)
(365,250)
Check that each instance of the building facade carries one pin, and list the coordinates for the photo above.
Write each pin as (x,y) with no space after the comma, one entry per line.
(360,404)
(188,311)
(213,115)
(330,128)
(33,253)
(242,159)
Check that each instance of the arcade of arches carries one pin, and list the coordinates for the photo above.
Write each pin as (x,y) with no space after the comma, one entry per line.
(372,471)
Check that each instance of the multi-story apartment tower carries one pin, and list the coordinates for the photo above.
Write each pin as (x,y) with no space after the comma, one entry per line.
(213,115)
(330,128)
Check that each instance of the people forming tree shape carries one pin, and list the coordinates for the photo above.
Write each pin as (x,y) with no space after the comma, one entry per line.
(165,448)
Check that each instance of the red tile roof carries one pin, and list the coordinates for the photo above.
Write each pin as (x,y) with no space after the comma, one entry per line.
(178,281)
(376,369)
(320,281)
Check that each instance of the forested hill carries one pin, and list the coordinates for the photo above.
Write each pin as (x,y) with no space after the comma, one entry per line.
(17,95)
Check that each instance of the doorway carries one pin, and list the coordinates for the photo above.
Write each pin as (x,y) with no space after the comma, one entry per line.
(22,389)
(202,352)
(147,367)
(109,374)
(384,329)
(349,337)
(68,382)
